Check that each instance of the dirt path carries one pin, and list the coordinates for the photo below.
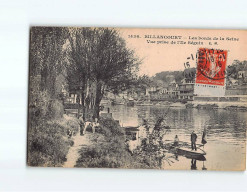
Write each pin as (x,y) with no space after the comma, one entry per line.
(73,155)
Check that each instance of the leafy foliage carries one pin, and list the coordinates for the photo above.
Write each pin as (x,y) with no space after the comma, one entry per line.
(46,56)
(99,60)
(48,143)
(109,151)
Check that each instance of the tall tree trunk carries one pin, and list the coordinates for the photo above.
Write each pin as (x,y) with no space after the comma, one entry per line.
(98,97)
(83,104)
(87,100)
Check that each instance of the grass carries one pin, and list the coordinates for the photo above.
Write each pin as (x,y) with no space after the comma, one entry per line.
(48,143)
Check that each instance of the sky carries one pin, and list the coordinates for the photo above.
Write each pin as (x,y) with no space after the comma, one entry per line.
(161,56)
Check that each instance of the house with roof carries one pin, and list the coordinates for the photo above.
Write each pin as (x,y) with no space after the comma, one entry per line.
(186,89)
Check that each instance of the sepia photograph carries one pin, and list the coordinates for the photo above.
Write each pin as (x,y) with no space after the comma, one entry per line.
(123,96)
(137,98)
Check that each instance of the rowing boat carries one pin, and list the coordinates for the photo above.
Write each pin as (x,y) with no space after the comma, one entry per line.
(187,151)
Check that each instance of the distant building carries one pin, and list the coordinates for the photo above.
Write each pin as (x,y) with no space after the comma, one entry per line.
(186,89)
(151,90)
(158,96)
(163,90)
(157,93)
(173,90)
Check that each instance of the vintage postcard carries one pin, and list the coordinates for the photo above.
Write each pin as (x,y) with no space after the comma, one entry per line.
(172,99)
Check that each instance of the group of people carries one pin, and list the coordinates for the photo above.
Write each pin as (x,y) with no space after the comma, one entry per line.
(193,136)
(193,139)
(84,125)
(87,124)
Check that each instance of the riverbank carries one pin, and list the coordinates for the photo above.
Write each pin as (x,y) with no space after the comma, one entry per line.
(195,103)
(107,149)
(220,105)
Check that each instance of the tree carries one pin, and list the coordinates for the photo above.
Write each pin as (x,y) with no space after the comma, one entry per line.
(116,65)
(98,61)
(46,67)
(46,58)
(78,56)
(142,83)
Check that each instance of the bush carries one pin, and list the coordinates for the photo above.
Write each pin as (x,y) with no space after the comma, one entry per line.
(41,106)
(69,122)
(48,143)
(111,128)
(55,109)
(109,151)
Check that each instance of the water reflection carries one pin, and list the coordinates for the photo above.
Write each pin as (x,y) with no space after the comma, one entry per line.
(193,164)
(203,166)
(226,133)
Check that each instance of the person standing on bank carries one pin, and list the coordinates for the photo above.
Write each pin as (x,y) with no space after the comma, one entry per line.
(204,141)
(81,123)
(176,141)
(193,140)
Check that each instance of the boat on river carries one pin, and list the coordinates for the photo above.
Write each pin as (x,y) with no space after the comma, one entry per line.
(188,151)
(184,149)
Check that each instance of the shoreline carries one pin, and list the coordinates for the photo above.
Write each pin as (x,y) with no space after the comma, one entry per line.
(220,104)
(195,103)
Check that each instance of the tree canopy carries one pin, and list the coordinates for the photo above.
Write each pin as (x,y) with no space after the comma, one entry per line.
(99,60)
(46,56)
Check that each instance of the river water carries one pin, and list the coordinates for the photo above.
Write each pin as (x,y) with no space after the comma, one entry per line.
(226,133)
